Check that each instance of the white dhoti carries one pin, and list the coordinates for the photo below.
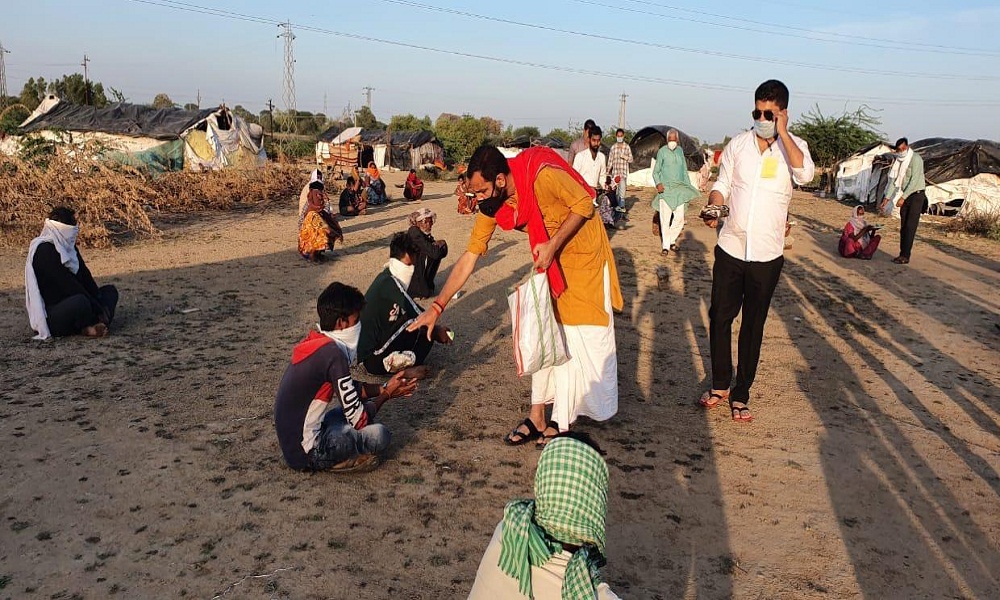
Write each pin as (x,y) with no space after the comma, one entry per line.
(588,383)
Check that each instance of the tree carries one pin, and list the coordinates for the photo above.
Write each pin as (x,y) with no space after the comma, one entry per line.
(561,134)
(461,135)
(117,96)
(531,132)
(831,139)
(162,101)
(12,117)
(33,92)
(410,123)
(73,89)
(366,119)
(190,106)
(244,114)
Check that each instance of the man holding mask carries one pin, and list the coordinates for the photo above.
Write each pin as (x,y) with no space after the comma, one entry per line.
(755,181)
(539,193)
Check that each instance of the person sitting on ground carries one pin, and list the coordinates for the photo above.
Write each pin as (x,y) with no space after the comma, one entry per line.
(859,239)
(413,189)
(324,419)
(551,548)
(376,187)
(466,199)
(314,177)
(386,346)
(319,230)
(429,253)
(61,296)
(351,202)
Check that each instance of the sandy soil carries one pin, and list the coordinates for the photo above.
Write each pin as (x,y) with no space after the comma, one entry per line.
(145,465)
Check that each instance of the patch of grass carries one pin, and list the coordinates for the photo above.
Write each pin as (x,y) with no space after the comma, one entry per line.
(5,581)
(982,224)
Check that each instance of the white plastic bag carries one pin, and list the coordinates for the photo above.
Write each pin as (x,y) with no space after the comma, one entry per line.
(538,339)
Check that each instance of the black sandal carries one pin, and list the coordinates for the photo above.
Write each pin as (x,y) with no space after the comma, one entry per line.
(545,439)
(522,438)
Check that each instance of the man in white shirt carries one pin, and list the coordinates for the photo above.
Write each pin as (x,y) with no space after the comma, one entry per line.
(591,163)
(755,180)
(580,144)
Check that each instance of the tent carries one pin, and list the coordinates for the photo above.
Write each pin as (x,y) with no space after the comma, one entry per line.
(854,174)
(166,139)
(513,147)
(356,146)
(957,172)
(648,141)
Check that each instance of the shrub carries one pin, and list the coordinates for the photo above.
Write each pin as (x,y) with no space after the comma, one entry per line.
(982,224)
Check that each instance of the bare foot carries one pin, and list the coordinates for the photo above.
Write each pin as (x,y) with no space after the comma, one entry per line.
(95,331)
(417,372)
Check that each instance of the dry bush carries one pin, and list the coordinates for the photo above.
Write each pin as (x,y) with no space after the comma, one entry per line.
(979,223)
(107,198)
(112,200)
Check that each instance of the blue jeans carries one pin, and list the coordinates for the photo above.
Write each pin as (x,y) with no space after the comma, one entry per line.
(339,441)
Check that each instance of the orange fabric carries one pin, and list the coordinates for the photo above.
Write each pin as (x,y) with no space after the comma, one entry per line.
(583,257)
(314,235)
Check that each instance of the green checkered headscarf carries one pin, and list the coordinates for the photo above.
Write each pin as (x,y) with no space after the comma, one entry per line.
(571,500)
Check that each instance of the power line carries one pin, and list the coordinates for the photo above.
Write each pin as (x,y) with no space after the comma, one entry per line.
(701,51)
(781,31)
(176,5)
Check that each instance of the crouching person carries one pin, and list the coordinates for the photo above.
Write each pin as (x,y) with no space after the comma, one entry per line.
(61,295)
(552,547)
(325,420)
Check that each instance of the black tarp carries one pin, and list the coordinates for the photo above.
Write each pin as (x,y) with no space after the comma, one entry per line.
(647,142)
(946,159)
(331,133)
(120,119)
(524,141)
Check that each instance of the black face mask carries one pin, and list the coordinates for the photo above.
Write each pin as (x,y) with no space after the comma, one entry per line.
(491,205)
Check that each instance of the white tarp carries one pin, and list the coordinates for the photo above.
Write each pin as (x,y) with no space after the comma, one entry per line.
(854,174)
(981,193)
(346,135)
(380,151)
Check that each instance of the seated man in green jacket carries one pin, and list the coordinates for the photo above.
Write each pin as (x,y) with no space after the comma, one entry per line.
(386,346)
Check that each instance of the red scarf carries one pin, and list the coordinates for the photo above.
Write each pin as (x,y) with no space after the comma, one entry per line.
(524,169)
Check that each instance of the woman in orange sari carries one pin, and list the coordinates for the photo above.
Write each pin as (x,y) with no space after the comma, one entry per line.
(319,231)
(376,187)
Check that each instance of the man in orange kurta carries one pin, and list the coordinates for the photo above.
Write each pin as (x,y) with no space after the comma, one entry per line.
(539,193)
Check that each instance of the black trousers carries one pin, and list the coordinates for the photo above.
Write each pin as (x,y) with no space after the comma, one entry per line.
(70,316)
(415,341)
(737,285)
(909,219)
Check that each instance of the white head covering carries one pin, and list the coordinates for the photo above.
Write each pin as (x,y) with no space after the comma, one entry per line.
(63,237)
(857,221)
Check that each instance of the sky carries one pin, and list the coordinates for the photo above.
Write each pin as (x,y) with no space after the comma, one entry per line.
(924,68)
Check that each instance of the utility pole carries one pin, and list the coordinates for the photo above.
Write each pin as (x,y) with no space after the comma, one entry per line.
(199,99)
(270,114)
(289,91)
(621,111)
(368,96)
(324,104)
(3,75)
(86,80)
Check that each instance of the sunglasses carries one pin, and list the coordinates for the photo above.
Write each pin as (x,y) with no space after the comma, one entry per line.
(767,114)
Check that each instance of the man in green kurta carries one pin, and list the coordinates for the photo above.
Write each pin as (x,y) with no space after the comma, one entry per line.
(674,191)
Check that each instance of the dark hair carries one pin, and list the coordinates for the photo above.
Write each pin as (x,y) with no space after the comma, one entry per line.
(64,215)
(461,177)
(402,244)
(595,130)
(619,130)
(774,91)
(316,185)
(350,180)
(338,301)
(900,142)
(488,162)
(413,170)
(589,124)
(582,437)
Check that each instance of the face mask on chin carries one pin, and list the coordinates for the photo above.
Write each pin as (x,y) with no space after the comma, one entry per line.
(347,339)
(764,129)
(672,145)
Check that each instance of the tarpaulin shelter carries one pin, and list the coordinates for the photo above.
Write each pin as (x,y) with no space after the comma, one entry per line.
(356,146)
(955,170)
(854,174)
(522,142)
(338,147)
(164,139)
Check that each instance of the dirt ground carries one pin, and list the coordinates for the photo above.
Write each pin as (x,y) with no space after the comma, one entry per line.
(145,465)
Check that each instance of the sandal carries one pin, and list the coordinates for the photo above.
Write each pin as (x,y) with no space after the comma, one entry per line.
(363,463)
(901,260)
(545,439)
(741,412)
(517,437)
(712,399)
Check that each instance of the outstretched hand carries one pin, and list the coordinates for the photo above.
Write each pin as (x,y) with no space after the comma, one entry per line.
(427,319)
